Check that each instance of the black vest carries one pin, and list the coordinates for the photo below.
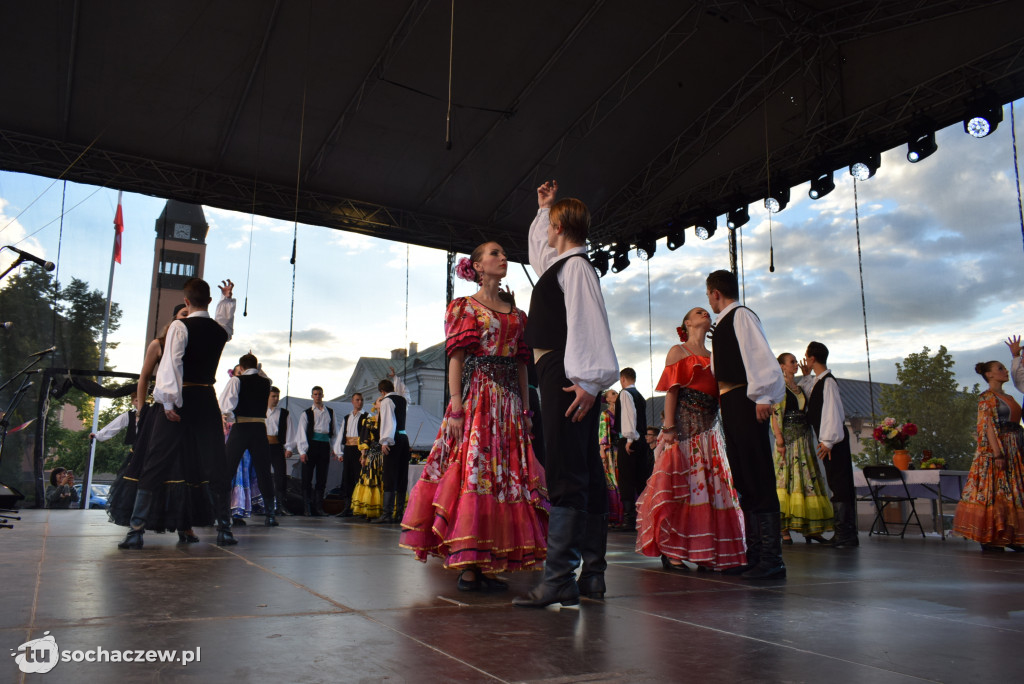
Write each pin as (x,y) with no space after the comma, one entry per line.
(310,418)
(133,427)
(206,340)
(640,404)
(282,425)
(816,402)
(253,393)
(359,424)
(399,401)
(546,327)
(725,347)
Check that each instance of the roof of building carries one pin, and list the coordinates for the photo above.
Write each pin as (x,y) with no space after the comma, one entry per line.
(378,367)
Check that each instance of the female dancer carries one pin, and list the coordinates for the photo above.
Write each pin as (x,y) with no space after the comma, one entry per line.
(606,438)
(689,509)
(368,495)
(805,505)
(991,509)
(480,504)
(166,514)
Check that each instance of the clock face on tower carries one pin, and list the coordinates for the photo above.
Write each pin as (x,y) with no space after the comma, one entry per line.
(182,231)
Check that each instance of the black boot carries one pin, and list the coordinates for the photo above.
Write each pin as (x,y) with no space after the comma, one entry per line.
(187,537)
(399,507)
(769,565)
(140,513)
(387,510)
(222,519)
(846,525)
(281,510)
(566,528)
(307,504)
(753,541)
(271,518)
(628,517)
(595,544)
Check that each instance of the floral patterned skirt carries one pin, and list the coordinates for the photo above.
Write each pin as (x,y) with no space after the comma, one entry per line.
(803,498)
(991,508)
(689,509)
(611,481)
(482,500)
(368,494)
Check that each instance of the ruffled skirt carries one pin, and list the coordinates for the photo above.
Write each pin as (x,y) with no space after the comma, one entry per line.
(368,495)
(803,499)
(991,508)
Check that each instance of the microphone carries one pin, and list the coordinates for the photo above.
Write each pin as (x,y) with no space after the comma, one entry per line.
(47,265)
(44,352)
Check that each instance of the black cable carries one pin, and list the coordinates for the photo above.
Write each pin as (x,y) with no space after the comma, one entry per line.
(1016,171)
(863,303)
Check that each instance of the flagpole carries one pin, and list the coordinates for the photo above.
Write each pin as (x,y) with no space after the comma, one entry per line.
(114,257)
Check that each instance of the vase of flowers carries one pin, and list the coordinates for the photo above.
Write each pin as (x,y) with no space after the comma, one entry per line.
(894,436)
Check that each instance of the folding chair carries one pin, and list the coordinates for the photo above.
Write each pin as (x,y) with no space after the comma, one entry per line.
(888,487)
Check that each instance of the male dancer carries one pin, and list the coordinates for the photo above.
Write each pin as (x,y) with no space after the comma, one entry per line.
(825,414)
(568,330)
(189,427)
(348,450)
(130,419)
(243,403)
(633,457)
(281,442)
(394,445)
(317,428)
(749,383)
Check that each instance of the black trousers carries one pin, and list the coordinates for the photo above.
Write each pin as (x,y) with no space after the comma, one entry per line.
(396,467)
(634,469)
(350,470)
(572,454)
(279,465)
(192,448)
(318,459)
(252,436)
(749,452)
(839,471)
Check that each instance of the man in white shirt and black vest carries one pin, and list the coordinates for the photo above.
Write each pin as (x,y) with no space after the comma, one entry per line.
(315,439)
(129,421)
(826,417)
(749,383)
(634,459)
(394,444)
(281,443)
(572,345)
(243,403)
(188,436)
(348,451)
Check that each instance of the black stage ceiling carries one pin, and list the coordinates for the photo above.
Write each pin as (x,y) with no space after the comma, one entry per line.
(645,110)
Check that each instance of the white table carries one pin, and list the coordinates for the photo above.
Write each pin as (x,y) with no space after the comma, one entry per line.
(937,485)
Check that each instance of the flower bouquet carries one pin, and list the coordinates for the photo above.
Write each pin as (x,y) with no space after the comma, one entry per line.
(894,436)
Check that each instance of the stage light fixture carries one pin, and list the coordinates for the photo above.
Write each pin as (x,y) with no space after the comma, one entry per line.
(646,244)
(983,120)
(676,237)
(737,217)
(865,166)
(599,259)
(921,146)
(621,259)
(705,227)
(822,185)
(777,200)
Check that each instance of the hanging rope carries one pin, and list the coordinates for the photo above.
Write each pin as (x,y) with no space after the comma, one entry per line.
(451,57)
(56,275)
(743,270)
(1016,171)
(60,217)
(863,303)
(255,176)
(650,327)
(405,362)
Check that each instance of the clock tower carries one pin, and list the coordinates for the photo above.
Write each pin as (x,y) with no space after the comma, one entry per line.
(180,254)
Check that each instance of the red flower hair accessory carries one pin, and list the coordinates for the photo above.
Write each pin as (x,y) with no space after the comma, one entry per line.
(681,331)
(464,269)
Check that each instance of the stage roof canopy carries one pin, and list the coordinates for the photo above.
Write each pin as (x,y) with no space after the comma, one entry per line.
(337,112)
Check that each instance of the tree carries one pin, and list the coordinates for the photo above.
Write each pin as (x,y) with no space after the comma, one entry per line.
(70,448)
(927,394)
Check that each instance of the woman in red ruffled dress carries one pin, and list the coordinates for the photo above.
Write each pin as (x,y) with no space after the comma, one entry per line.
(689,510)
(481,503)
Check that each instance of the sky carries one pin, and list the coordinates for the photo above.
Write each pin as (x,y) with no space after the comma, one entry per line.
(941,240)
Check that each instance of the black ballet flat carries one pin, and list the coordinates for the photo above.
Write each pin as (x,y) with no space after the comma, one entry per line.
(991,548)
(787,540)
(492,584)
(1019,548)
(672,567)
(808,538)
(470,585)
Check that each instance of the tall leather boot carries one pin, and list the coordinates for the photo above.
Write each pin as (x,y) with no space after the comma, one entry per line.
(769,565)
(753,542)
(318,505)
(307,504)
(628,517)
(595,544)
(387,510)
(846,525)
(271,508)
(222,515)
(566,528)
(399,507)
(137,525)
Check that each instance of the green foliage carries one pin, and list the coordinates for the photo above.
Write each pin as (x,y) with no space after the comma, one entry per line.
(70,448)
(927,394)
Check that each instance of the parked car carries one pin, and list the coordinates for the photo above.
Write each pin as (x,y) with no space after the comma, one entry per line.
(98,494)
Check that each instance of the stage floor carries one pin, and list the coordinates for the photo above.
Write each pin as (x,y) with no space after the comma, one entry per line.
(331,600)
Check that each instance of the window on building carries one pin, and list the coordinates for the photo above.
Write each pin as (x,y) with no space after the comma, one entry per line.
(175,268)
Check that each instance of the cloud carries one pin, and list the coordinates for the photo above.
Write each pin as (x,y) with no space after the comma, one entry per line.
(309,336)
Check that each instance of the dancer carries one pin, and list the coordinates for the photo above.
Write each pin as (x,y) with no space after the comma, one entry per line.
(348,451)
(317,428)
(749,383)
(991,508)
(480,503)
(605,435)
(368,495)
(825,415)
(634,460)
(689,510)
(1016,366)
(281,444)
(243,401)
(802,498)
(129,420)
(187,434)
(394,447)
(572,344)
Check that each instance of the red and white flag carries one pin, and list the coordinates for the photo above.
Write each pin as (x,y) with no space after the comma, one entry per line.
(118,229)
